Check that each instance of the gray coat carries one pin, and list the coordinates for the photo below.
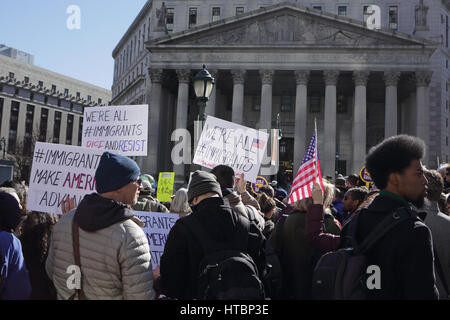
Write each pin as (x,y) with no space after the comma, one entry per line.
(439,225)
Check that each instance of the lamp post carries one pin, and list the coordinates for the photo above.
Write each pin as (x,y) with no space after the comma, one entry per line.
(3,141)
(203,85)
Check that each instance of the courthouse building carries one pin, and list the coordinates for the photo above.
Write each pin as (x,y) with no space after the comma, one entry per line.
(303,60)
(40,105)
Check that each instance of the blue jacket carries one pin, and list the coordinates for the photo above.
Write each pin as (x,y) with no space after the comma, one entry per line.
(15,282)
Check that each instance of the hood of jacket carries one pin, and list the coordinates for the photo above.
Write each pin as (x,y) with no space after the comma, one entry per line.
(95,212)
(232,196)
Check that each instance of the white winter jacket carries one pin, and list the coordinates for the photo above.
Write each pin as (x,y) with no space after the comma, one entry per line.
(115,261)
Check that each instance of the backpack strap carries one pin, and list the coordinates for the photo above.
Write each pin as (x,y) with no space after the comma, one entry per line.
(76,254)
(387,224)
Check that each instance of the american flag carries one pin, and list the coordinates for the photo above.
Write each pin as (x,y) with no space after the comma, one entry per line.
(307,173)
(259,144)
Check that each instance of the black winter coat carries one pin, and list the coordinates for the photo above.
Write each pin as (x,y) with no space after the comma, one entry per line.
(182,252)
(404,255)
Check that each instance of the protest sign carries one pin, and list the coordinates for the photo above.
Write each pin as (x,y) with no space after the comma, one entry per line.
(365,176)
(118,129)
(60,171)
(227,143)
(165,186)
(156,227)
(260,181)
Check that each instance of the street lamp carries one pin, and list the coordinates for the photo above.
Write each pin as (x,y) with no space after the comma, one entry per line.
(203,85)
(3,141)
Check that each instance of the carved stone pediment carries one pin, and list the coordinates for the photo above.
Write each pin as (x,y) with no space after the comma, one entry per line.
(287,26)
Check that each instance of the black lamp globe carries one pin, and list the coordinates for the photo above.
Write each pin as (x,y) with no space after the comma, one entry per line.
(203,85)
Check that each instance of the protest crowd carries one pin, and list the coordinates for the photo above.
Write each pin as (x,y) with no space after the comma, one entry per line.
(229,242)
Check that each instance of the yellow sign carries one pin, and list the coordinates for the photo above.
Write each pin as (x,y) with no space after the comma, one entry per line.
(165,186)
(260,181)
(365,176)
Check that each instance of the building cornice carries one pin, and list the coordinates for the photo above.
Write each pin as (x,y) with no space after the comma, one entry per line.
(132,27)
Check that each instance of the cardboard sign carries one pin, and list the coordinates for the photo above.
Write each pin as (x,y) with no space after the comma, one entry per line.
(165,186)
(156,227)
(260,181)
(60,171)
(227,143)
(118,129)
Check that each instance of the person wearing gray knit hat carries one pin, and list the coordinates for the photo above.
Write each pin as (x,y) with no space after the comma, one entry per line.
(202,183)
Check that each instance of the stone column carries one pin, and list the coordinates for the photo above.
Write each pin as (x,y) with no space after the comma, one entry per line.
(390,123)
(50,124)
(6,118)
(359,120)
(329,163)
(63,130)
(150,166)
(21,122)
(423,79)
(301,113)
(237,115)
(184,76)
(211,104)
(265,120)
(36,121)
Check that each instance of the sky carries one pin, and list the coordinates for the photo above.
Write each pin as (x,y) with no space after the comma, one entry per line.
(39,27)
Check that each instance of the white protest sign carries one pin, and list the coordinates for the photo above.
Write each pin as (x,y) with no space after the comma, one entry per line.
(118,129)
(156,227)
(59,171)
(227,143)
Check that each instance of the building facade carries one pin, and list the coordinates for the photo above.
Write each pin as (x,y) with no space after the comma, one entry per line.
(303,60)
(40,105)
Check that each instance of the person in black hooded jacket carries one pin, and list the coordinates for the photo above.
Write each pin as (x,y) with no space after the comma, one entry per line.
(183,253)
(404,255)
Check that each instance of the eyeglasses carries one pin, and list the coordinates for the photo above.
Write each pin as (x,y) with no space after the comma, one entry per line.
(138,182)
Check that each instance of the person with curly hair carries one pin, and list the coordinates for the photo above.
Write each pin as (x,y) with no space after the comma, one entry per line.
(34,235)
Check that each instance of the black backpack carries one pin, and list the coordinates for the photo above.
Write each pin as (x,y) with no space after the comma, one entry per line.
(342,274)
(227,271)
(2,274)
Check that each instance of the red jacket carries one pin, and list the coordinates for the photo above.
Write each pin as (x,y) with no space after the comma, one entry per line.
(324,242)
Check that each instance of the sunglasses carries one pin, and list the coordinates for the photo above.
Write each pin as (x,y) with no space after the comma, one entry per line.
(138,182)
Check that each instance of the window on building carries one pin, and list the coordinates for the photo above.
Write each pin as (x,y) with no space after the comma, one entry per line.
(53,88)
(341,104)
(56,127)
(1,113)
(286,103)
(66,92)
(446,31)
(13,122)
(393,17)
(41,84)
(26,80)
(170,19)
(28,130)
(99,101)
(215,13)
(43,125)
(69,129)
(80,131)
(314,103)
(256,103)
(89,98)
(342,11)
(192,17)
(239,10)
(11,75)
(318,8)
(78,95)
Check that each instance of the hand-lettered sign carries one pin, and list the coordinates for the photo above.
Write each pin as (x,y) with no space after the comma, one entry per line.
(118,129)
(60,171)
(227,143)
(156,227)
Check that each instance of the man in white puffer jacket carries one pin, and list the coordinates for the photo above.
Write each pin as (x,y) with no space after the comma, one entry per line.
(114,251)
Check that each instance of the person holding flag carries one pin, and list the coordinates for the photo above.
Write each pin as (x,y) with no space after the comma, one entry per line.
(296,256)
